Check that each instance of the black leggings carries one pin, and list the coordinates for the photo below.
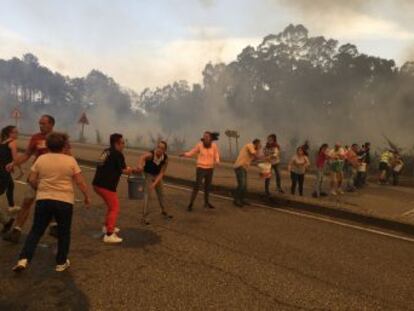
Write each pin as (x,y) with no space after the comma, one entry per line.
(297,179)
(10,193)
(7,185)
(207,175)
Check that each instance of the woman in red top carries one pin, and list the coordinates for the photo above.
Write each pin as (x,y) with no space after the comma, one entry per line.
(321,159)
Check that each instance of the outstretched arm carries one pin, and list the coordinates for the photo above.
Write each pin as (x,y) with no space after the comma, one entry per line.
(191,153)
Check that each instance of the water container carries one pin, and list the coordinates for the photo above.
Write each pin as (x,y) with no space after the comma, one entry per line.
(136,187)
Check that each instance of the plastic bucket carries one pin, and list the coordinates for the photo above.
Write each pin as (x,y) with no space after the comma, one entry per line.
(136,187)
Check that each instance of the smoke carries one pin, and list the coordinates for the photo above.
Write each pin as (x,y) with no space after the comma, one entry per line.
(356,19)
(207,3)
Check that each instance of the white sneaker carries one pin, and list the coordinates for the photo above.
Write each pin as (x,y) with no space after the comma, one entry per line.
(112,239)
(21,265)
(116,230)
(341,192)
(14,209)
(334,193)
(61,268)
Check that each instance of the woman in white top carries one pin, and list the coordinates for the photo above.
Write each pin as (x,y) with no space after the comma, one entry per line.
(297,168)
(52,175)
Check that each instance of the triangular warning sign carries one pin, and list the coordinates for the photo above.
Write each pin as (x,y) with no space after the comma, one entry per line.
(83,119)
(16,113)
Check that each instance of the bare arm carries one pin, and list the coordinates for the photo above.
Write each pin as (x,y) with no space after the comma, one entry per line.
(142,159)
(290,165)
(191,153)
(81,184)
(13,147)
(307,162)
(33,179)
(23,158)
(161,174)
(217,155)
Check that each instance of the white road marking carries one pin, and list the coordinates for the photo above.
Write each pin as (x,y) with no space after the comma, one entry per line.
(20,182)
(298,214)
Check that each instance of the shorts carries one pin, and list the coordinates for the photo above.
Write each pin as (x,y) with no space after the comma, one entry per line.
(29,193)
(337,167)
(383,166)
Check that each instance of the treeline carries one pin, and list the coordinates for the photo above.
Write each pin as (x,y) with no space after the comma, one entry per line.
(35,89)
(299,86)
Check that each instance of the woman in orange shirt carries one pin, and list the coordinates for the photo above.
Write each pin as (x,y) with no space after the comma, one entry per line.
(208,157)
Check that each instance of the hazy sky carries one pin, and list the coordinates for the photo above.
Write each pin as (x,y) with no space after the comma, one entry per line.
(150,43)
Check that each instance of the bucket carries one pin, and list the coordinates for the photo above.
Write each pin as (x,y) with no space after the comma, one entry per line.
(136,187)
(362,168)
(265,170)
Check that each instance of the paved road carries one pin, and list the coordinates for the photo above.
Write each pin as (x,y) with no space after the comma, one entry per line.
(223,259)
(393,203)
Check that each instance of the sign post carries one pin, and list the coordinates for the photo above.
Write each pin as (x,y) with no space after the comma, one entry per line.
(232,134)
(83,120)
(16,115)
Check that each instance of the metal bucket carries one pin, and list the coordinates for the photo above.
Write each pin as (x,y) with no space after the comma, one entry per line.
(136,187)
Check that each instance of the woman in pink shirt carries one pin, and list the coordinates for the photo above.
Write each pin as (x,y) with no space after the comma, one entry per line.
(207,157)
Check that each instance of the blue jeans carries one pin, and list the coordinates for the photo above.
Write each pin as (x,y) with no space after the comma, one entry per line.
(45,211)
(319,181)
(275,168)
(241,190)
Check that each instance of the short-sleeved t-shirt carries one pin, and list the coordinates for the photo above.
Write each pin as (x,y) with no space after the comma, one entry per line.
(246,156)
(55,174)
(299,164)
(321,159)
(109,169)
(37,145)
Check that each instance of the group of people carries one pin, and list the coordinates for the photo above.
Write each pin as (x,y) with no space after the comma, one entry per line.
(54,172)
(390,167)
(347,167)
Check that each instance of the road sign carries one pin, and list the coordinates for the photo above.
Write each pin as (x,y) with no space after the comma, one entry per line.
(83,119)
(232,134)
(16,113)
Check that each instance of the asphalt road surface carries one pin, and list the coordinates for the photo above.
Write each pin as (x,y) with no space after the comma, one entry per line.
(223,259)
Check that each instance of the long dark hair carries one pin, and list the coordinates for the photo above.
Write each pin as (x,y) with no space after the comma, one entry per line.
(274,144)
(322,147)
(6,131)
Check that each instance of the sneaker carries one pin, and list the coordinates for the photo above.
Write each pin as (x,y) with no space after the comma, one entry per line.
(340,191)
(334,193)
(21,265)
(116,230)
(7,226)
(13,235)
(190,208)
(14,209)
(65,266)
(112,239)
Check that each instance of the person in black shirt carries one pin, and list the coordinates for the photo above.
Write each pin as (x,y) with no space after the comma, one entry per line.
(154,165)
(8,153)
(110,167)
